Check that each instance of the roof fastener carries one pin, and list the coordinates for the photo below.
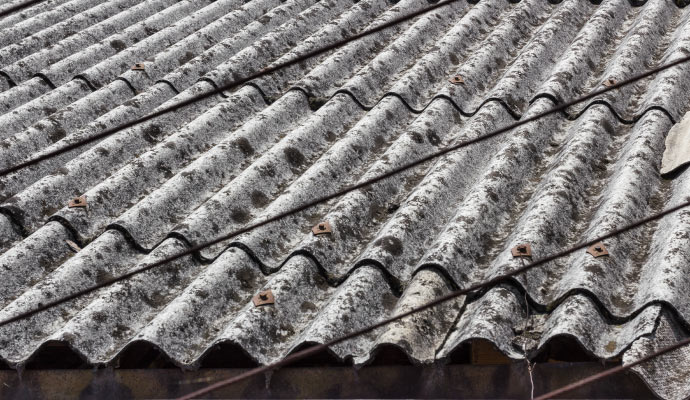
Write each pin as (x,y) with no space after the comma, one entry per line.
(522,250)
(263,298)
(79,201)
(138,67)
(598,250)
(75,247)
(609,82)
(321,228)
(456,80)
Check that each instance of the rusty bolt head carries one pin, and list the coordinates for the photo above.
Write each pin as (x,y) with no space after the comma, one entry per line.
(522,250)
(77,202)
(456,80)
(609,82)
(321,228)
(263,298)
(598,250)
(138,67)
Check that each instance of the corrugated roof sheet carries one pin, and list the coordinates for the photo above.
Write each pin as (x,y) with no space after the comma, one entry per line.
(155,189)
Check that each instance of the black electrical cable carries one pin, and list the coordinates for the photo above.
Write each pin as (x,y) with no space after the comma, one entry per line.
(231,85)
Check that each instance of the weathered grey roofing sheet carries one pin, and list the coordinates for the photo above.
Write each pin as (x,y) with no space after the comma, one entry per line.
(155,189)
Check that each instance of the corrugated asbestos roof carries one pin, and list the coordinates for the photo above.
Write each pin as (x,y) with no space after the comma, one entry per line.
(156,189)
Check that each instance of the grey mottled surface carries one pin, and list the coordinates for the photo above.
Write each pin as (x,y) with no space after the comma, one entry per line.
(154,190)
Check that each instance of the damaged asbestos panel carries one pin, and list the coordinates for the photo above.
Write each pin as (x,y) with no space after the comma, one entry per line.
(321,125)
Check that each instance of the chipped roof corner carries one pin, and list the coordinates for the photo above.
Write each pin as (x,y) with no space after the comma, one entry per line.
(677,144)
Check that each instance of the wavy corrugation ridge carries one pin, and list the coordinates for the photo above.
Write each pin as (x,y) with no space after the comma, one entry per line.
(353,113)
(15,148)
(33,19)
(189,308)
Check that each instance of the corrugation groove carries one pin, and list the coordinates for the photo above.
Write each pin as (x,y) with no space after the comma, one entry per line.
(342,117)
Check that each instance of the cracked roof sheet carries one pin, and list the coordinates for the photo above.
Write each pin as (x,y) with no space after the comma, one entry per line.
(158,188)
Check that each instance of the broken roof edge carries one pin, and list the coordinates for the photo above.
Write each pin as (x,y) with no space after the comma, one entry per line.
(677,152)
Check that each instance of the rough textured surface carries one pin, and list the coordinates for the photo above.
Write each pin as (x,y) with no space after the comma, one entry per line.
(219,164)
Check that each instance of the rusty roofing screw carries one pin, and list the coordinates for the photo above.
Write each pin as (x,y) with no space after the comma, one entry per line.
(77,202)
(522,250)
(598,250)
(321,228)
(263,298)
(456,80)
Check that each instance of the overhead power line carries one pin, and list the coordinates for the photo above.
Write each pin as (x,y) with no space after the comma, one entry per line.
(345,190)
(229,86)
